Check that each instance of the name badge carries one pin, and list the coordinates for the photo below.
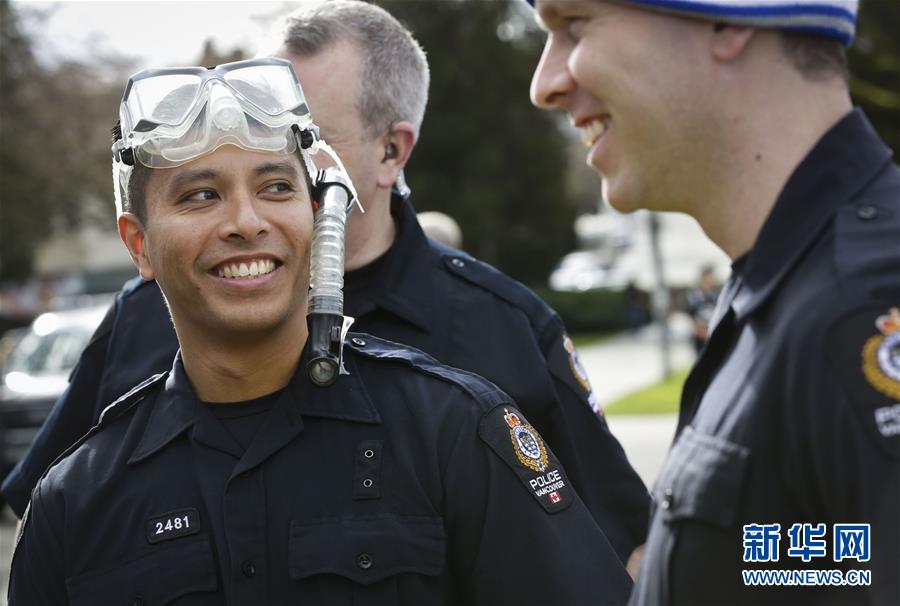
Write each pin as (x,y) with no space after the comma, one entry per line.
(173,525)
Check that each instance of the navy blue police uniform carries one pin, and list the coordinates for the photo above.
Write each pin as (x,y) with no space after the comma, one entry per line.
(792,413)
(421,293)
(405,482)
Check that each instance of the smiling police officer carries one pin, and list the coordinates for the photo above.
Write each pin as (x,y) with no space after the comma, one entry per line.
(401,285)
(233,478)
(783,485)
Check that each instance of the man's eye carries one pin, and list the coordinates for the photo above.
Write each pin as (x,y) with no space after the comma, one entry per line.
(202,195)
(280,187)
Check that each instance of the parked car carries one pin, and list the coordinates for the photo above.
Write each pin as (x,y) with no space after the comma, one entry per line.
(36,372)
(585,270)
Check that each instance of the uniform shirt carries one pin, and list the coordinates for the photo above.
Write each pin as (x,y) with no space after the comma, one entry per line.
(404,482)
(792,413)
(438,299)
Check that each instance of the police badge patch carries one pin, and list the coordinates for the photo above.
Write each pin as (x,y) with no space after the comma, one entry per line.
(526,442)
(519,444)
(881,355)
(565,364)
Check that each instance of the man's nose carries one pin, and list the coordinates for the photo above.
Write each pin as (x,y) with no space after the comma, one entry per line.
(552,83)
(245,219)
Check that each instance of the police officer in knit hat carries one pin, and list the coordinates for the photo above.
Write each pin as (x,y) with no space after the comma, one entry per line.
(783,484)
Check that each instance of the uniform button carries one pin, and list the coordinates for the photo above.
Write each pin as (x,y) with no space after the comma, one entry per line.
(458,263)
(668,498)
(358,341)
(369,453)
(364,561)
(248,569)
(866,212)
(367,483)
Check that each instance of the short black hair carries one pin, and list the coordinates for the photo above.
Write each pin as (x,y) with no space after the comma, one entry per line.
(817,58)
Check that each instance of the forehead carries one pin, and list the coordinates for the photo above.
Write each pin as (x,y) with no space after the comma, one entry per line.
(549,12)
(330,80)
(228,163)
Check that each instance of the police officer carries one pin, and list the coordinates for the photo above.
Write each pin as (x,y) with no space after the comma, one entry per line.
(234,478)
(787,456)
(401,285)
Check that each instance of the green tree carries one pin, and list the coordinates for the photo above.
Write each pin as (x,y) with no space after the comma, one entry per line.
(487,157)
(875,67)
(54,139)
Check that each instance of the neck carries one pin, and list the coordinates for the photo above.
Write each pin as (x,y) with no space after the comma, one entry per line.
(235,369)
(370,234)
(767,135)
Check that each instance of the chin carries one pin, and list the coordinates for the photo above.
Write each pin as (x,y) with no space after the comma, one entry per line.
(619,200)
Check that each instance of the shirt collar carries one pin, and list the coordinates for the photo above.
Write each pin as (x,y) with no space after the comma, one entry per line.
(837,168)
(404,285)
(177,407)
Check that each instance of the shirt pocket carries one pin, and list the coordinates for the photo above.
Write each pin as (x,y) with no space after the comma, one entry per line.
(702,479)
(698,499)
(383,559)
(181,569)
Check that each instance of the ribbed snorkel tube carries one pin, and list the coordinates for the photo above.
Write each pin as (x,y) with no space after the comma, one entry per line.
(325,313)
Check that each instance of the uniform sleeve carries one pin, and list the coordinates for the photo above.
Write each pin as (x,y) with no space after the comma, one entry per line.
(37,575)
(518,532)
(592,456)
(70,418)
(846,440)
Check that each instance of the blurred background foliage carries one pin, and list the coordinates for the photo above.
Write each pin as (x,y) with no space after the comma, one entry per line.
(506,171)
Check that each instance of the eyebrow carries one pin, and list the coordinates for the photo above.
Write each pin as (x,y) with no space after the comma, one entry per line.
(277,167)
(186,178)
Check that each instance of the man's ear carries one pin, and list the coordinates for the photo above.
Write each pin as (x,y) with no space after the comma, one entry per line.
(131,230)
(398,145)
(729,41)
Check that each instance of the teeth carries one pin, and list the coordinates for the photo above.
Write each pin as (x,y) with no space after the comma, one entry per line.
(260,267)
(592,131)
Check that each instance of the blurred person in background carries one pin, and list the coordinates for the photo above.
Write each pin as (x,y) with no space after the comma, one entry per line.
(787,452)
(366,80)
(699,304)
(441,227)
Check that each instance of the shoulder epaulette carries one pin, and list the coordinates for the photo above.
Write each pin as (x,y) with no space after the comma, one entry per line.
(135,395)
(497,283)
(381,349)
(111,412)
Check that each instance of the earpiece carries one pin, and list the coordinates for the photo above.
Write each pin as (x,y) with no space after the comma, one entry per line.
(390,152)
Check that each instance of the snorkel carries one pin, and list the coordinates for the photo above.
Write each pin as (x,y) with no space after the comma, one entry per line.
(171,116)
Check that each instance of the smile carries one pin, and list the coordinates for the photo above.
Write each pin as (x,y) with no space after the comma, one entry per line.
(246,270)
(592,131)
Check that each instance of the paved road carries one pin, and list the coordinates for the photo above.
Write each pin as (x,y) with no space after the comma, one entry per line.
(617,366)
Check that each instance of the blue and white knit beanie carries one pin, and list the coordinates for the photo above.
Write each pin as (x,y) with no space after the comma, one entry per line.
(830,18)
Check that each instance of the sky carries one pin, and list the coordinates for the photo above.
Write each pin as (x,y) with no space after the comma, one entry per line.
(155,33)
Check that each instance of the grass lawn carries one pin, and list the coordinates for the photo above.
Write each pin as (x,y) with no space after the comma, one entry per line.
(657,399)
(585,339)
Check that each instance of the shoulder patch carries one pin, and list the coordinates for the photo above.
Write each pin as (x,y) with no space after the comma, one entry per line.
(563,362)
(865,348)
(520,446)
(499,284)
